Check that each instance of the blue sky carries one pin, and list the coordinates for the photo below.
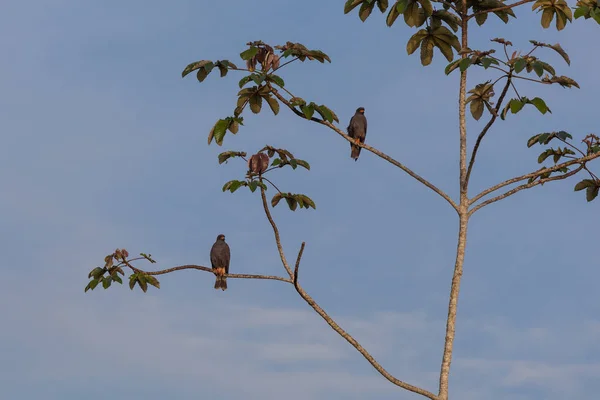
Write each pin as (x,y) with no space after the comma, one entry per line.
(104,146)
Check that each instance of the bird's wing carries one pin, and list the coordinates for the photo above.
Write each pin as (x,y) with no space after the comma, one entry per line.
(351,126)
(226,257)
(365,123)
(213,256)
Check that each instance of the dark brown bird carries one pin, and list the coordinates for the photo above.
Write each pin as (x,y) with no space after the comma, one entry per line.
(357,129)
(219,258)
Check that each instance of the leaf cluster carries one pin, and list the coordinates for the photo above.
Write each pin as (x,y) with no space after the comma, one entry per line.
(258,168)
(113,267)
(551,9)
(293,200)
(588,9)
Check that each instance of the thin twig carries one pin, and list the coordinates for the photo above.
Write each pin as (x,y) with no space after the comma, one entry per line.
(369,148)
(525,186)
(581,160)
(276,188)
(285,63)
(487,127)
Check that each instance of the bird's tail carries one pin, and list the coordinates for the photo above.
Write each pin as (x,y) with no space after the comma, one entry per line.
(221,283)
(355,151)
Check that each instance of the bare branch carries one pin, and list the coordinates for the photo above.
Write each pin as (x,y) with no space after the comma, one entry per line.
(525,186)
(276,232)
(201,268)
(369,148)
(581,160)
(488,126)
(327,318)
(503,8)
(298,265)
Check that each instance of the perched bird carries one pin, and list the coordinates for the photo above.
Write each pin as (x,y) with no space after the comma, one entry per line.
(219,258)
(357,129)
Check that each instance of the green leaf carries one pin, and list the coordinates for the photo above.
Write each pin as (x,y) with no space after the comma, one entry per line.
(258,78)
(415,40)
(194,66)
(476,108)
(351,4)
(143,282)
(516,105)
(563,135)
(226,155)
(581,11)
(533,140)
(519,65)
(302,163)
(392,15)
(273,104)
(118,279)
(248,54)
(464,64)
(292,203)
(365,10)
(245,80)
(308,202)
(252,186)
(481,18)
(276,80)
(538,68)
(452,66)
(426,51)
(153,281)
(547,16)
(92,285)
(233,185)
(545,138)
(106,282)
(96,272)
(545,155)
(218,131)
(540,105)
(255,103)
(586,183)
(591,193)
(275,200)
(308,111)
(383,5)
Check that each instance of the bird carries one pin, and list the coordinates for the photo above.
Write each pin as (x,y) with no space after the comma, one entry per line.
(219,259)
(357,130)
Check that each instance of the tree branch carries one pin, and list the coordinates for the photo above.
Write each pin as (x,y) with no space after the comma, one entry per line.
(525,186)
(488,126)
(369,148)
(581,160)
(311,302)
(503,8)
(298,265)
(201,268)
(276,233)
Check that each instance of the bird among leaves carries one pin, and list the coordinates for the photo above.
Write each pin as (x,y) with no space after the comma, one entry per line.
(357,130)
(219,258)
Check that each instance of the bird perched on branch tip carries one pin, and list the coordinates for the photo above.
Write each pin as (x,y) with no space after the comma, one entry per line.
(219,258)
(357,130)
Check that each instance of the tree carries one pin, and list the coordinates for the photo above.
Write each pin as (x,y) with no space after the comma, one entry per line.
(441,25)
